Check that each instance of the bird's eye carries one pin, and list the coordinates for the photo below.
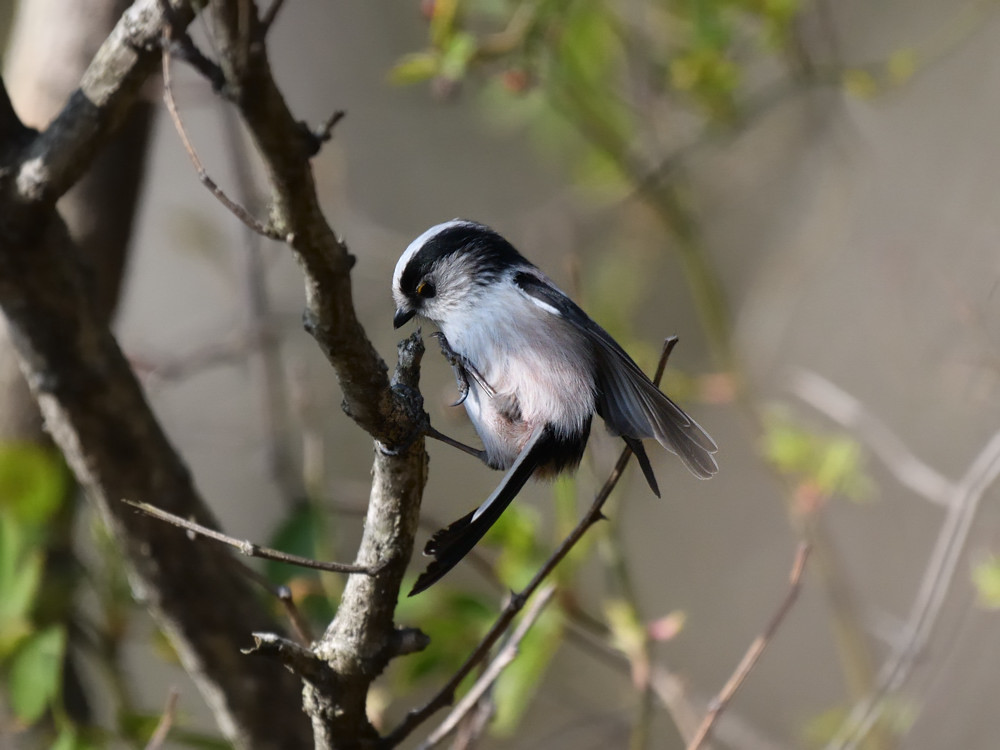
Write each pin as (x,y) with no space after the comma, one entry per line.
(426,289)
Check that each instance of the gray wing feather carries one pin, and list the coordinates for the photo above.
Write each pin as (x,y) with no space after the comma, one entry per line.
(631,405)
(628,401)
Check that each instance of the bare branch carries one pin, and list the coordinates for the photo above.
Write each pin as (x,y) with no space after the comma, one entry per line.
(492,673)
(248,548)
(234,208)
(755,651)
(324,132)
(271,14)
(362,638)
(166,722)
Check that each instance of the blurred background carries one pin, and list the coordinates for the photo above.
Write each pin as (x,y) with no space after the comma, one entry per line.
(805,192)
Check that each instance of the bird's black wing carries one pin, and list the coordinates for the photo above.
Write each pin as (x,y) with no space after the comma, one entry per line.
(448,546)
(628,401)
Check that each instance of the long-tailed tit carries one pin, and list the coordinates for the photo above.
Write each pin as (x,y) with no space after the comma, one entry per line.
(532,369)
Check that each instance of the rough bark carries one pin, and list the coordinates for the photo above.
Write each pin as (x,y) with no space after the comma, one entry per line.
(93,405)
(362,638)
(51,45)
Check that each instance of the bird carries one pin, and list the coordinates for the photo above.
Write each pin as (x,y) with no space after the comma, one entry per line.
(532,368)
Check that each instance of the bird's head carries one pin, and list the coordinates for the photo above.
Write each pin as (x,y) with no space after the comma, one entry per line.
(447,269)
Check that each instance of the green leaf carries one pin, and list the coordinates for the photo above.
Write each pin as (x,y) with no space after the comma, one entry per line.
(458,53)
(454,621)
(20,577)
(628,634)
(443,18)
(831,464)
(516,533)
(414,68)
(70,738)
(902,65)
(986,578)
(33,482)
(35,673)
(860,83)
(304,532)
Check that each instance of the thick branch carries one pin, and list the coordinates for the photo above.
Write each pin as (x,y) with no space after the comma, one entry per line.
(67,147)
(96,412)
(362,639)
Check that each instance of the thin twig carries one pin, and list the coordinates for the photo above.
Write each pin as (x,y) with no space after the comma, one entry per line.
(301,628)
(446,694)
(267,20)
(236,209)
(491,674)
(755,651)
(324,132)
(246,547)
(166,721)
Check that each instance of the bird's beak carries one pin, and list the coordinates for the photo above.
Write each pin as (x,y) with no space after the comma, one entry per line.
(402,316)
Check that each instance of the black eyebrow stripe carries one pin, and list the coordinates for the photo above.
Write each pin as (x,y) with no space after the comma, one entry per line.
(491,253)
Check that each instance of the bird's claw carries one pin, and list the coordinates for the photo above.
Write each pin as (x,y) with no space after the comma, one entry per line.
(463,369)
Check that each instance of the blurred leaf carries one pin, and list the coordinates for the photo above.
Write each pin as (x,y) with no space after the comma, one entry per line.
(33,482)
(838,462)
(820,729)
(457,55)
(302,532)
(21,568)
(305,531)
(71,738)
(901,66)
(523,677)
(986,578)
(627,632)
(443,17)
(860,83)
(825,465)
(35,673)
(414,68)
(454,620)
(896,717)
(588,44)
(516,534)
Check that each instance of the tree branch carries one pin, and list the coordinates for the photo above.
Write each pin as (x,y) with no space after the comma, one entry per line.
(95,409)
(361,640)
(109,88)
(245,546)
